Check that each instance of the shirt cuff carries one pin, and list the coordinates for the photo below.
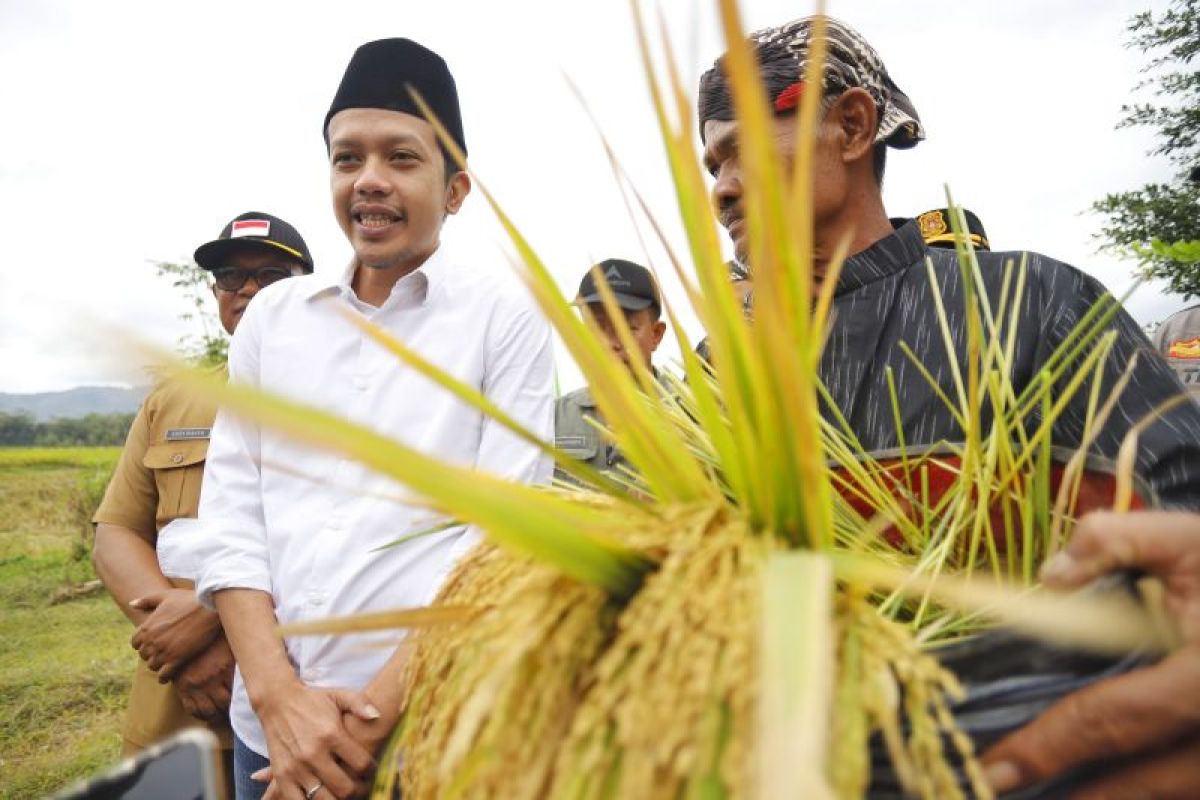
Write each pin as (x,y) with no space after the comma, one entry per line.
(208,585)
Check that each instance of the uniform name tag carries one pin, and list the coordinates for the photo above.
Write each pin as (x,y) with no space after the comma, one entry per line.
(569,441)
(184,434)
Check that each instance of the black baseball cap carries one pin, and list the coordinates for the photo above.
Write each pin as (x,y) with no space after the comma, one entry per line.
(259,230)
(632,285)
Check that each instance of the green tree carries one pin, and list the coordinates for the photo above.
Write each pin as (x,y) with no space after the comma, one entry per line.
(21,429)
(1169,212)
(17,429)
(210,346)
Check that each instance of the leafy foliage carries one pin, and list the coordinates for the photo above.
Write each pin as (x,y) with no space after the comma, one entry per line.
(93,430)
(1167,211)
(210,346)
(1180,252)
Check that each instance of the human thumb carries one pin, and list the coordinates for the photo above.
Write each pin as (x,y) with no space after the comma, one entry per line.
(147,602)
(356,704)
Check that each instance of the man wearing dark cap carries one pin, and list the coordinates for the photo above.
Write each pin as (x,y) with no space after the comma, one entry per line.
(186,670)
(295,534)
(637,294)
(883,298)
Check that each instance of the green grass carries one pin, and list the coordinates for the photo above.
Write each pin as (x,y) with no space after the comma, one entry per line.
(64,669)
(58,456)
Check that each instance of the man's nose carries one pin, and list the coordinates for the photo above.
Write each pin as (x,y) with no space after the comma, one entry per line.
(370,179)
(250,287)
(727,190)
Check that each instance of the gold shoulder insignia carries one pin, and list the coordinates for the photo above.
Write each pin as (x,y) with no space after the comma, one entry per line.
(932,223)
(1185,348)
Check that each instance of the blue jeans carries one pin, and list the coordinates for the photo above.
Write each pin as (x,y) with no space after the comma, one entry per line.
(246,762)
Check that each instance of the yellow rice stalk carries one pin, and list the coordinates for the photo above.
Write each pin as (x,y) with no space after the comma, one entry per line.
(517,666)
(671,707)
(795,648)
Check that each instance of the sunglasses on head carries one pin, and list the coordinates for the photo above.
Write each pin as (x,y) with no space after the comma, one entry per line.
(232,279)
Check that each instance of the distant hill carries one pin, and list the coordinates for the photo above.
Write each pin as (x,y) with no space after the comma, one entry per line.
(73,403)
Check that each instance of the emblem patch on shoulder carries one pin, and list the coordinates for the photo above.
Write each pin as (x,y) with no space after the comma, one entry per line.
(932,223)
(1185,348)
(185,434)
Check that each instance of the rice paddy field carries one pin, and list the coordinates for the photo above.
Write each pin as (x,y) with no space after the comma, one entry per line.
(65,665)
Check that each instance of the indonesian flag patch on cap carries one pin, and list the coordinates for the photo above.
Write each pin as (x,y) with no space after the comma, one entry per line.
(250,227)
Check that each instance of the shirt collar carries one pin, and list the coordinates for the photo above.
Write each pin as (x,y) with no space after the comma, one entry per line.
(587,401)
(421,282)
(888,256)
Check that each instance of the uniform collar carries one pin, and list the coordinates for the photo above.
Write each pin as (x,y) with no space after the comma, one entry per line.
(888,256)
(585,394)
(421,283)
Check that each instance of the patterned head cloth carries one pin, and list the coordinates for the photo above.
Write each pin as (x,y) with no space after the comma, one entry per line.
(849,62)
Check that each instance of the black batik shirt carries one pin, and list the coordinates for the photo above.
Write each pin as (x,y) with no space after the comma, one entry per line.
(884,297)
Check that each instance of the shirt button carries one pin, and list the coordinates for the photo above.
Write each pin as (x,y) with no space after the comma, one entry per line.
(177,458)
(360,382)
(316,597)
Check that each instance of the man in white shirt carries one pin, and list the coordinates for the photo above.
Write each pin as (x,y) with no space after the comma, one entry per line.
(296,533)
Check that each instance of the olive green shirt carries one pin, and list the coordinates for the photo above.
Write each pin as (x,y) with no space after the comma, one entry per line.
(577,437)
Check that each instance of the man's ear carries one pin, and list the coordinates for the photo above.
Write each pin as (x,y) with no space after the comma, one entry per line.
(457,191)
(857,120)
(659,330)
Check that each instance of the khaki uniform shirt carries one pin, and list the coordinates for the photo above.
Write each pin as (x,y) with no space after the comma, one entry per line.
(157,480)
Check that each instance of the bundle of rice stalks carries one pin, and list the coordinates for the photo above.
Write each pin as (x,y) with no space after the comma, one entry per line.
(746,609)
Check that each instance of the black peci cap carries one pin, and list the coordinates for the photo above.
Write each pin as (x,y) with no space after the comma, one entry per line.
(937,232)
(632,285)
(380,74)
(255,229)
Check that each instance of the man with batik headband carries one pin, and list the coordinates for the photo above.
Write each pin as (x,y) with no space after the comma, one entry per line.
(298,534)
(883,299)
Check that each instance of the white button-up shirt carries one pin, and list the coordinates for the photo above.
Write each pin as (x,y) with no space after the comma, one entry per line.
(306,525)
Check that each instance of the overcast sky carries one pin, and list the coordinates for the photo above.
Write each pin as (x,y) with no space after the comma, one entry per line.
(134,131)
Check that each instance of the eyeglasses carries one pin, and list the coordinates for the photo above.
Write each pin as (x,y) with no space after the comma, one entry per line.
(232,279)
